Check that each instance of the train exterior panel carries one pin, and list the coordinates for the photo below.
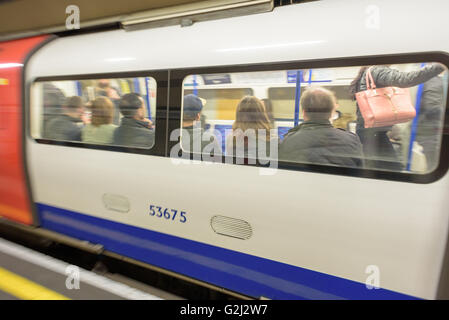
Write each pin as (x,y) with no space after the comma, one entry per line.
(314,235)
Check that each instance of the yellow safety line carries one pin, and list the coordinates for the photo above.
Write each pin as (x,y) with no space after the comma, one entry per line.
(25,289)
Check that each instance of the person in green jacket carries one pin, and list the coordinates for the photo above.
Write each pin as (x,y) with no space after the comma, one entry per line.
(100,130)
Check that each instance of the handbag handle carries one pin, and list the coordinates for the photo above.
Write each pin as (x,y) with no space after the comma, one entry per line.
(369,80)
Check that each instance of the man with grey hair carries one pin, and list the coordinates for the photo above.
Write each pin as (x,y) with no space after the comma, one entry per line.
(316,141)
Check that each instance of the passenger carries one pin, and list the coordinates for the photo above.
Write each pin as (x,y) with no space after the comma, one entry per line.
(430,117)
(54,98)
(250,115)
(100,130)
(191,125)
(315,140)
(105,89)
(376,143)
(67,126)
(269,109)
(135,130)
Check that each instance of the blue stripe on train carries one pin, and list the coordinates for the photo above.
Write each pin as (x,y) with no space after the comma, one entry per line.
(236,271)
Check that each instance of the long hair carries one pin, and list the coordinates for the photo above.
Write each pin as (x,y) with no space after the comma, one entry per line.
(102,111)
(355,84)
(269,109)
(251,114)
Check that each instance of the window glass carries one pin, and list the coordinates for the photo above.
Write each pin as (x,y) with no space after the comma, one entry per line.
(324,116)
(118,111)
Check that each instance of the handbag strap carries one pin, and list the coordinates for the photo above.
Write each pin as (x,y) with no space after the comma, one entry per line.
(369,80)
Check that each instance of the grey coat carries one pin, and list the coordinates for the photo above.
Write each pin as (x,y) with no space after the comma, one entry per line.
(63,127)
(133,133)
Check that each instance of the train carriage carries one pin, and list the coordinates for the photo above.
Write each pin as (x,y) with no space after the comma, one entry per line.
(286,231)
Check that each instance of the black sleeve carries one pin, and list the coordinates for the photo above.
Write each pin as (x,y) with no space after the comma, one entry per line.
(359,157)
(433,96)
(388,77)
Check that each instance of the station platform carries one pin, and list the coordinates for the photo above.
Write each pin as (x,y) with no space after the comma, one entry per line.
(29,275)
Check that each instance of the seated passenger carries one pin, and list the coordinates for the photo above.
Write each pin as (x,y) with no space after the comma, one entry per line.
(315,140)
(191,125)
(135,130)
(100,130)
(67,125)
(252,125)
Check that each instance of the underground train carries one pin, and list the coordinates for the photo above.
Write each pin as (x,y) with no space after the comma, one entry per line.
(290,231)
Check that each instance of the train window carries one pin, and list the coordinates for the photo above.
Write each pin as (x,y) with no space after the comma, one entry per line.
(118,111)
(313,116)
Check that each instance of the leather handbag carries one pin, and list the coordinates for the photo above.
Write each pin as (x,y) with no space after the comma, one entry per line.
(383,107)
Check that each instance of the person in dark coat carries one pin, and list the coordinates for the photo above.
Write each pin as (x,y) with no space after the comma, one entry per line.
(54,99)
(430,117)
(376,144)
(315,140)
(197,141)
(135,130)
(67,125)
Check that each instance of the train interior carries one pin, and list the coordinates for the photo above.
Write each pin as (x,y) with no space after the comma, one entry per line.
(221,94)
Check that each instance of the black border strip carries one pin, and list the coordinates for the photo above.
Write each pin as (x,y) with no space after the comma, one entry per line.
(177,77)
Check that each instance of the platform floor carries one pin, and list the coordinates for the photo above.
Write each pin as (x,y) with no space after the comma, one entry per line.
(30,275)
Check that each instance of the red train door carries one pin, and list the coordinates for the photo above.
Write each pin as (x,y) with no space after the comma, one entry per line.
(14,195)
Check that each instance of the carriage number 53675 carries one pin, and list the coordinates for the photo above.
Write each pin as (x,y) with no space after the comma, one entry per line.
(169,214)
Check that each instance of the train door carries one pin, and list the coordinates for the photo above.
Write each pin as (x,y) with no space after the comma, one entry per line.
(14,196)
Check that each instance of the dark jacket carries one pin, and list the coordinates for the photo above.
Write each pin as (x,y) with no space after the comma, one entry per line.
(53,100)
(431,108)
(317,142)
(387,77)
(133,133)
(63,127)
(198,133)
(431,114)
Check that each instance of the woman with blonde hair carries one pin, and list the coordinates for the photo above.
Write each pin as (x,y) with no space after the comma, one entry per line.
(101,129)
(252,125)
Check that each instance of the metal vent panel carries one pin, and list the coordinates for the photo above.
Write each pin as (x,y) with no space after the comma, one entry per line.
(231,227)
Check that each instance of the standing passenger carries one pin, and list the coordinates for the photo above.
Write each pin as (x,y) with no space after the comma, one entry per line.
(135,130)
(101,129)
(315,140)
(430,117)
(54,99)
(376,143)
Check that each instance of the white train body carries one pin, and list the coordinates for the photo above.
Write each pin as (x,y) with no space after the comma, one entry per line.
(313,234)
